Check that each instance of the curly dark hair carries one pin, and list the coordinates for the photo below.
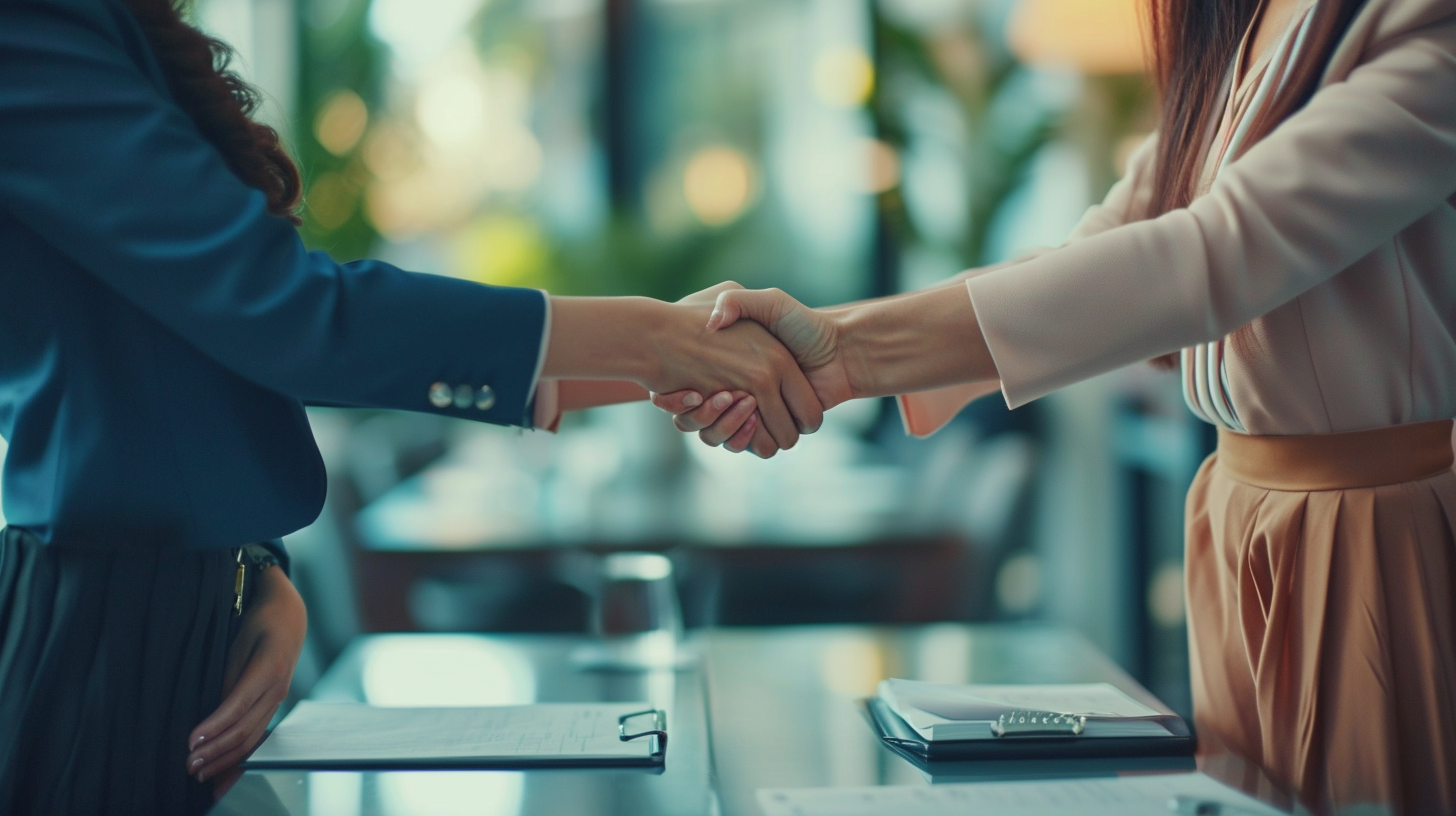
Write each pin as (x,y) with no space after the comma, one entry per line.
(220,103)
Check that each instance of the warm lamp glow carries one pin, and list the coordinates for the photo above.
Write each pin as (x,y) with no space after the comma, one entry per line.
(341,122)
(718,184)
(844,77)
(1093,36)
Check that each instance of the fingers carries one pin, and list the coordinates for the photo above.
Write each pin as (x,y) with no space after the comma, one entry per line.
(775,416)
(711,293)
(231,732)
(743,437)
(235,705)
(714,414)
(802,400)
(236,744)
(752,437)
(763,445)
(730,423)
(763,306)
(678,402)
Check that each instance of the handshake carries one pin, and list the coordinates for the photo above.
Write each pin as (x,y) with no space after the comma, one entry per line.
(755,369)
(788,355)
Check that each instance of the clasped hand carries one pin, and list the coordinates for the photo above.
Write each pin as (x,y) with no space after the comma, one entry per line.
(732,418)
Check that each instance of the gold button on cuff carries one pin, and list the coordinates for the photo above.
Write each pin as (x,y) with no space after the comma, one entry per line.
(485,398)
(440,395)
(464,395)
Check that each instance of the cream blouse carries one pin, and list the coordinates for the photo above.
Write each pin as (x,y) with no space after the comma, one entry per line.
(1204,366)
(1311,288)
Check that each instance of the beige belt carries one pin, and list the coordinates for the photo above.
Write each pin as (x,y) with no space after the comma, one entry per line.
(1342,461)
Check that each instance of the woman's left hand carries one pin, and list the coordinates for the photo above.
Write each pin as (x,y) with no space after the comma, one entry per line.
(255,681)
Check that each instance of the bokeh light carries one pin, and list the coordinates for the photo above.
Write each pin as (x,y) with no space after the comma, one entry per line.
(844,77)
(718,184)
(501,249)
(450,109)
(1099,37)
(417,32)
(341,122)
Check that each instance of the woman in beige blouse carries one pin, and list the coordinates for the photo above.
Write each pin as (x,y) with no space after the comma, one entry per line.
(1290,234)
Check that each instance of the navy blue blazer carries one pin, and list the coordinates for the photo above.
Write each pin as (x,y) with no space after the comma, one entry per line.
(160,331)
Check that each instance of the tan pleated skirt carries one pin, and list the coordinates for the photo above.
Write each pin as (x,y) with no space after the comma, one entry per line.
(1322,613)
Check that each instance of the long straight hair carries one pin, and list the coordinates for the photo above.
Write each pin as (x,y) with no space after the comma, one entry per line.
(1193,43)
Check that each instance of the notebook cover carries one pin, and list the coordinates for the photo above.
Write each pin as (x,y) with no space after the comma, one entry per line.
(897,734)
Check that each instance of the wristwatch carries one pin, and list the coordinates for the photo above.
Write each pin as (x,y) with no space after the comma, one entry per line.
(259,557)
(250,556)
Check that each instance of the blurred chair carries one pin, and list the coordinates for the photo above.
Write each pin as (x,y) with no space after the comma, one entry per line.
(364,456)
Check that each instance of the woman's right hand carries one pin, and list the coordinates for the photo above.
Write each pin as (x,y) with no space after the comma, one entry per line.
(745,359)
(667,347)
(811,336)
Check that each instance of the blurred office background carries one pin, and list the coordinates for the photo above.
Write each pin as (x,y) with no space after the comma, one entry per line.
(838,149)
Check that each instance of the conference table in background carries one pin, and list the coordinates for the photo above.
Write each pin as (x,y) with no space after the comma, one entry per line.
(502,515)
(755,708)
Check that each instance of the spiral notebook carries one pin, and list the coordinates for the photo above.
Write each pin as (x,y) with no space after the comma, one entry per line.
(933,721)
(353,736)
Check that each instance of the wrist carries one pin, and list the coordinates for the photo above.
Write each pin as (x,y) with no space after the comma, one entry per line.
(658,327)
(849,324)
(914,342)
(606,338)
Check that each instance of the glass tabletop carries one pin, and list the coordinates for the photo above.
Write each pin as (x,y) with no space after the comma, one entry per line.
(750,709)
(468,670)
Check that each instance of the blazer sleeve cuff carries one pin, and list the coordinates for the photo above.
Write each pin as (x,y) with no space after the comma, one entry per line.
(546,412)
(496,340)
(925,412)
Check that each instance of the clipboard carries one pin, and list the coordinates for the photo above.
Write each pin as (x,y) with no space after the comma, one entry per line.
(358,737)
(899,736)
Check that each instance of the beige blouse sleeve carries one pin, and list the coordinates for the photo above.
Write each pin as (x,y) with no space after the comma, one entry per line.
(1365,158)
(926,412)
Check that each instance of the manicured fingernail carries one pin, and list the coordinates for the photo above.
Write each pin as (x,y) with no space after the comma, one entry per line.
(202,777)
(693,400)
(197,741)
(722,400)
(194,765)
(715,318)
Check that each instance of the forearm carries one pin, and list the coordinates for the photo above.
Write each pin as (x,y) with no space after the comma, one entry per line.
(913,342)
(578,395)
(604,339)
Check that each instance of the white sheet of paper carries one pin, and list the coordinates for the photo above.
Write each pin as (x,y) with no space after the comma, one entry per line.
(1147,795)
(348,732)
(985,702)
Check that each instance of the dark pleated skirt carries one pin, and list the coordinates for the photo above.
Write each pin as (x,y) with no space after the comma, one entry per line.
(108,660)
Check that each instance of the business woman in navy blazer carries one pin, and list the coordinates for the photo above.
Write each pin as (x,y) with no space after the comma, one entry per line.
(161,327)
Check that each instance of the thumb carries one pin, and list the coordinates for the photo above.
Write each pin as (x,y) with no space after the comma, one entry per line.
(762,306)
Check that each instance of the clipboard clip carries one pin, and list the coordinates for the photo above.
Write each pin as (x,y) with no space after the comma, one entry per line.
(1038,724)
(658,730)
